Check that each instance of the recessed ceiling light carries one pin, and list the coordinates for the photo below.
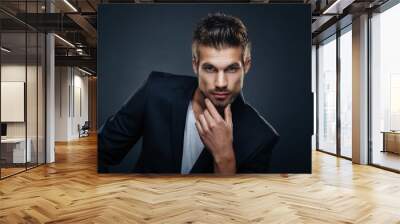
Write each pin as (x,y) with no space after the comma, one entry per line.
(337,7)
(70,5)
(5,50)
(64,40)
(84,71)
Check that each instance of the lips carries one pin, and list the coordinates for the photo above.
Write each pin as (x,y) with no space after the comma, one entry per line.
(221,95)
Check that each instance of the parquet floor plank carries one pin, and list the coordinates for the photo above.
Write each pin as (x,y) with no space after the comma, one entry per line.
(71,191)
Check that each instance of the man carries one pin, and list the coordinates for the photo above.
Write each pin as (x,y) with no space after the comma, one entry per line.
(195,125)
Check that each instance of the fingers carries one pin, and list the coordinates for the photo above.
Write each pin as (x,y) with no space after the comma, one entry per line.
(203,123)
(228,114)
(199,128)
(209,119)
(213,111)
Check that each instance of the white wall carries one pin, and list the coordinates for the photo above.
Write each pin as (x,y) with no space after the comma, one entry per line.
(71,93)
(16,72)
(61,103)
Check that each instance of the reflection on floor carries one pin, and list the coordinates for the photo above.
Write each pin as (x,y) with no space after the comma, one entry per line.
(10,169)
(71,191)
(386,159)
(346,152)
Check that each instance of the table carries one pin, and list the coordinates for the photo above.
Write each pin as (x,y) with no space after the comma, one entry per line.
(391,141)
(15,148)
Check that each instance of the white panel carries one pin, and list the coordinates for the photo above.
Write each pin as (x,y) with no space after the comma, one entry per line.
(12,101)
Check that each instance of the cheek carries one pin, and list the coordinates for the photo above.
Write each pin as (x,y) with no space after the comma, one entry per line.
(236,82)
(205,82)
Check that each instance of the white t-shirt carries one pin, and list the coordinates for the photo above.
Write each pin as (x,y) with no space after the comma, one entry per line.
(192,144)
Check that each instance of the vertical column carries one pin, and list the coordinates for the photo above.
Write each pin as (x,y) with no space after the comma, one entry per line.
(360,90)
(92,103)
(50,92)
(338,97)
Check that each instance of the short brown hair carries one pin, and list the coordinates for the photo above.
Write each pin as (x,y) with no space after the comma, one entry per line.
(219,30)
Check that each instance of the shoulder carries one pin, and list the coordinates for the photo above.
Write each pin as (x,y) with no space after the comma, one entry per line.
(163,87)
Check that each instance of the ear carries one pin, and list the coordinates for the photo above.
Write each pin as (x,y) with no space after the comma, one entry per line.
(247,65)
(194,65)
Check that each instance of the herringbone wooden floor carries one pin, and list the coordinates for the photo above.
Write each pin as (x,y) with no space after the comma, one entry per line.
(71,191)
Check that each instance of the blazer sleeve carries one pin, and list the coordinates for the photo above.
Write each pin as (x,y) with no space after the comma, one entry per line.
(122,130)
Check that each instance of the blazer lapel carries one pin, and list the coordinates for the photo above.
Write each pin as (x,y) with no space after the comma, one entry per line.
(247,139)
(179,108)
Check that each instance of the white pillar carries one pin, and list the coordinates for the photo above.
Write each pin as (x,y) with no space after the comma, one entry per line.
(50,93)
(360,90)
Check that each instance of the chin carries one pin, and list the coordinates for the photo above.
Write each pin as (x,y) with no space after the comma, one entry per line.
(221,104)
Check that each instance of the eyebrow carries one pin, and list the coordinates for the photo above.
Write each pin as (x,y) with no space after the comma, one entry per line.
(233,65)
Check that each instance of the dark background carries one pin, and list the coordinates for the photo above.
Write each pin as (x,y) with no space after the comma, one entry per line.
(134,40)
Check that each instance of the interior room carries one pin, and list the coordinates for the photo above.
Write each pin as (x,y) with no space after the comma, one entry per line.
(50,122)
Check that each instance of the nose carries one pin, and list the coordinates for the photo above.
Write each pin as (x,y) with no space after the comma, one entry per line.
(221,82)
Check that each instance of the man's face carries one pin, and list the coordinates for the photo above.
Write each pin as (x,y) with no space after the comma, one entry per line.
(221,73)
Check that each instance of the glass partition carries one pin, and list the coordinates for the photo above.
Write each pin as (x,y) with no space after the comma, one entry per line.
(22,101)
(31,99)
(14,154)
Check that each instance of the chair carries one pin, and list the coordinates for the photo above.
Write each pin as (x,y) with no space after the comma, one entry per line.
(84,130)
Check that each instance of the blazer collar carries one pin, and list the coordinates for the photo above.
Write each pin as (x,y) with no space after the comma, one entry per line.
(179,108)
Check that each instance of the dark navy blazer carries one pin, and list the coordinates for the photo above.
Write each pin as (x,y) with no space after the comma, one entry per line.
(157,112)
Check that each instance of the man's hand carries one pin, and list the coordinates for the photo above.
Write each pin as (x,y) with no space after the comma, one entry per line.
(217,134)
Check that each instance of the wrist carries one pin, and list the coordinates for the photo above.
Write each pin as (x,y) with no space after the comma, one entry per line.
(225,163)
(224,159)
(224,156)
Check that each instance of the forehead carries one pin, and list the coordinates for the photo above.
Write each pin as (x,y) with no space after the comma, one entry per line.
(219,57)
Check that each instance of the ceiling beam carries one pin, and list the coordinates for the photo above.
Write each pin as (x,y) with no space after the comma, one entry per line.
(86,26)
(82,61)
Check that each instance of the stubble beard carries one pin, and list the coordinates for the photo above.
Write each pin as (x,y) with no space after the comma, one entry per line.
(219,106)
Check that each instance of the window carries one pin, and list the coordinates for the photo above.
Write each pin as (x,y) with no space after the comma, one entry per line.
(346,92)
(327,95)
(385,88)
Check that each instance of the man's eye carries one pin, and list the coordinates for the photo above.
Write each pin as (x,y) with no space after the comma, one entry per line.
(231,70)
(209,69)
